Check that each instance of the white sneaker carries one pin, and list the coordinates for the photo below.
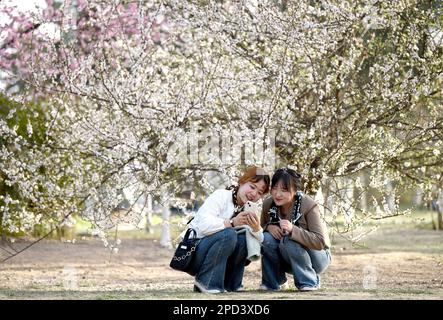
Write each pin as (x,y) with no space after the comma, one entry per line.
(308,288)
(240,289)
(265,288)
(198,287)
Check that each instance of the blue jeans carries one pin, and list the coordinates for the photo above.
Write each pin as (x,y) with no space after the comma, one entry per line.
(220,259)
(287,255)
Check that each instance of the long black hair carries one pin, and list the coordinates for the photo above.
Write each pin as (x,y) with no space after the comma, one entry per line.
(289,179)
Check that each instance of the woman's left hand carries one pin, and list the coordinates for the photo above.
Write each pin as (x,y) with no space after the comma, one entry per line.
(253,221)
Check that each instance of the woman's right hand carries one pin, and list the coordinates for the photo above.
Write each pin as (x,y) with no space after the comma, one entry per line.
(241,219)
(275,230)
(253,221)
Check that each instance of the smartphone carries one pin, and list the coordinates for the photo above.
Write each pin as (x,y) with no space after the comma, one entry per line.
(251,206)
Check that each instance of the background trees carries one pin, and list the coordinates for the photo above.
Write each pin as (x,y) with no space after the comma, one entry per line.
(349,90)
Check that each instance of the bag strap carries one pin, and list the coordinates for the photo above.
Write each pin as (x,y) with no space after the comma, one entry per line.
(188,234)
(296,213)
(190,220)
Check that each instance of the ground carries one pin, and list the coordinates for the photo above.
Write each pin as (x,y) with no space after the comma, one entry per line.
(395,263)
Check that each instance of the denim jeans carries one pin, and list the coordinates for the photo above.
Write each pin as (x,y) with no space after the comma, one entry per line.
(220,260)
(287,255)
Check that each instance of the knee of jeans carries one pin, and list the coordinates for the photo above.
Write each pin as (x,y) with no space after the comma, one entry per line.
(230,238)
(269,242)
(241,239)
(291,246)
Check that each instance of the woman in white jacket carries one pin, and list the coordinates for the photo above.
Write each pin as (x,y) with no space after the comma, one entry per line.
(222,253)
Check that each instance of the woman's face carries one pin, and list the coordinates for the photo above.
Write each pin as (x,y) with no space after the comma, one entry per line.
(281,195)
(251,191)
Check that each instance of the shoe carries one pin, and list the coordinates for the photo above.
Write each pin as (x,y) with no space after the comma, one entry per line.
(307,288)
(198,287)
(240,289)
(263,287)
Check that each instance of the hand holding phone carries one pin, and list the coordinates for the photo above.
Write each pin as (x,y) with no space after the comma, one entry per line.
(251,209)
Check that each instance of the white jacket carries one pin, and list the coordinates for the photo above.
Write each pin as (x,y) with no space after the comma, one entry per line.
(210,218)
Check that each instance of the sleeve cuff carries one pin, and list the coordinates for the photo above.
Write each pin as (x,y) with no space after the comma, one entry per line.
(295,233)
(258,235)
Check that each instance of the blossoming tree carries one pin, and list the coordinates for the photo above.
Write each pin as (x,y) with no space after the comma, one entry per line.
(132,91)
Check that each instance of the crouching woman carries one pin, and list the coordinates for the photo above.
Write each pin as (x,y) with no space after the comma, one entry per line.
(221,255)
(295,238)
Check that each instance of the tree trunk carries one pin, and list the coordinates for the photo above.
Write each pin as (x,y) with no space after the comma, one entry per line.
(390,198)
(320,199)
(2,232)
(347,199)
(326,194)
(364,194)
(165,238)
(440,220)
(439,223)
(418,198)
(149,227)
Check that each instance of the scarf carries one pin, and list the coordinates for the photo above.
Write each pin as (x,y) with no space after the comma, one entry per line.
(296,214)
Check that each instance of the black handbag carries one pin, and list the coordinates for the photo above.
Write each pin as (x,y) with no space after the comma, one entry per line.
(185,252)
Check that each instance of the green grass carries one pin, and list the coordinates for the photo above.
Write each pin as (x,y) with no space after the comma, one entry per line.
(83,228)
(420,219)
